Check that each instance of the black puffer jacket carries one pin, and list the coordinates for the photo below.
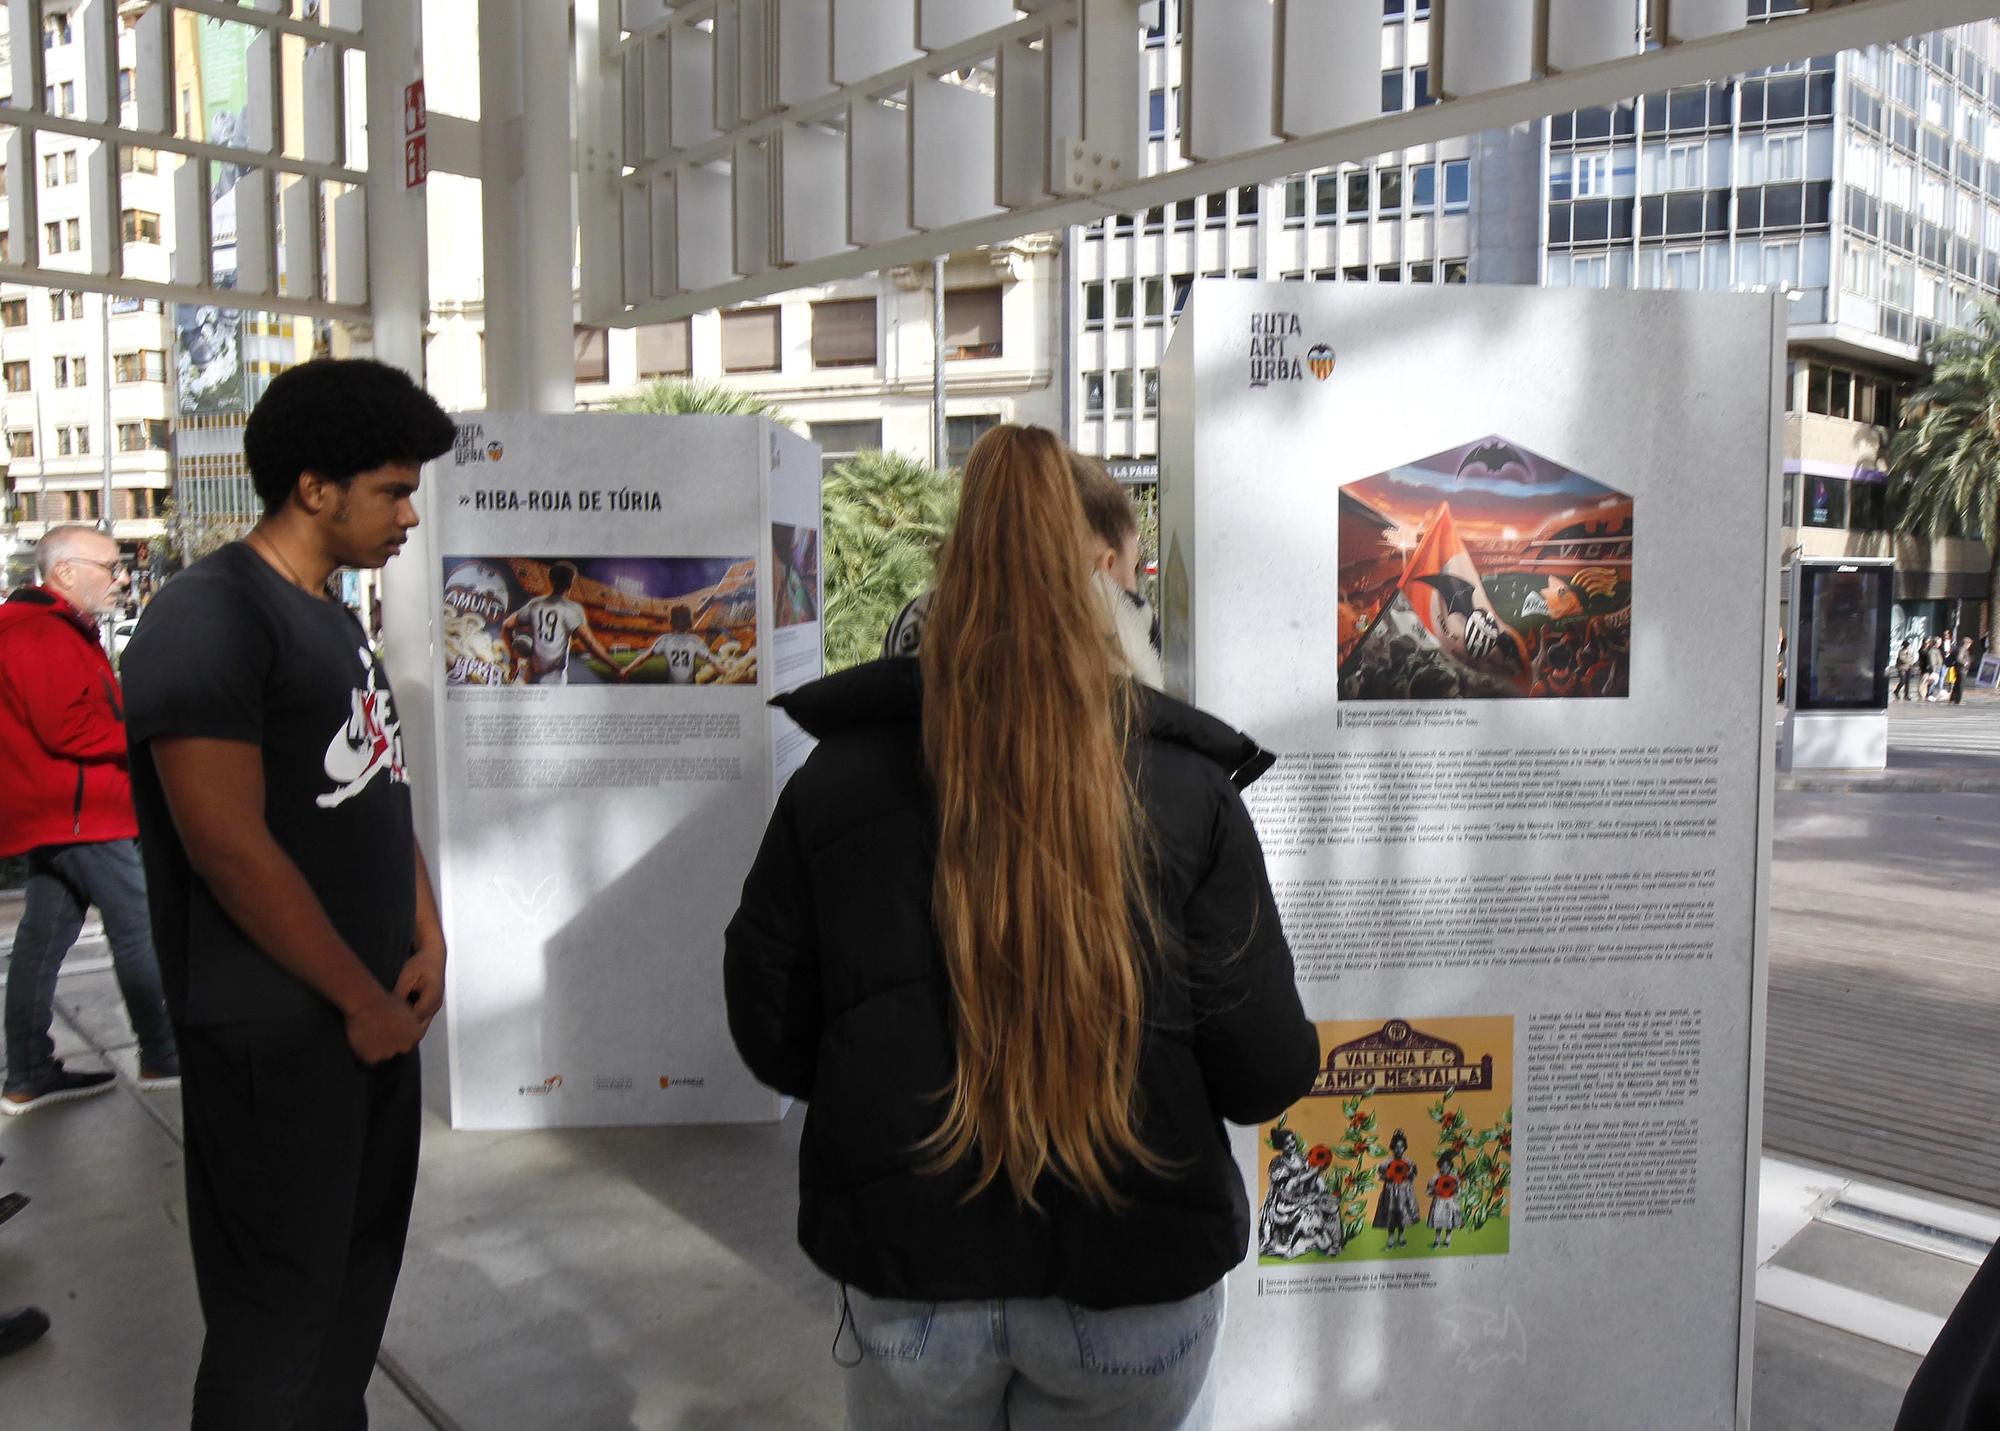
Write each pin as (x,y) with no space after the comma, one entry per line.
(838,995)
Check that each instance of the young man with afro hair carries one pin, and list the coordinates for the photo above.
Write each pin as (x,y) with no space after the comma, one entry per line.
(295,922)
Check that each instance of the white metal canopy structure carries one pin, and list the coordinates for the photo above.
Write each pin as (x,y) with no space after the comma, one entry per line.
(728,149)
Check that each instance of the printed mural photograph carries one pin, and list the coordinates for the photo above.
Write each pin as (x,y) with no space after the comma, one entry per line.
(794,575)
(1484,572)
(594,621)
(1404,1147)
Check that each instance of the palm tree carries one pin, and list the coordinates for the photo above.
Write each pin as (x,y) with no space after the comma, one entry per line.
(886,517)
(1944,463)
(687,395)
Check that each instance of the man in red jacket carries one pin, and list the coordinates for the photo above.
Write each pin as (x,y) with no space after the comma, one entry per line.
(66,803)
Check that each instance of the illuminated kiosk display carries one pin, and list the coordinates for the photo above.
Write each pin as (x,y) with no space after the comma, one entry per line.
(1837,670)
(619,596)
(1489,568)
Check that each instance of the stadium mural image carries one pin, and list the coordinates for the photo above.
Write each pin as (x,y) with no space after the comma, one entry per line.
(1485,571)
(583,621)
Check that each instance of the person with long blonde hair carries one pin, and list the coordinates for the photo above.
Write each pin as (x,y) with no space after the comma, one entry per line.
(1010,938)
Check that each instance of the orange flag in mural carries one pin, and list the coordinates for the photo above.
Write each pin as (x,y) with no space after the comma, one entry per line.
(1443,588)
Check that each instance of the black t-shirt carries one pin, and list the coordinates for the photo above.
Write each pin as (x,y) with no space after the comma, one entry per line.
(232,651)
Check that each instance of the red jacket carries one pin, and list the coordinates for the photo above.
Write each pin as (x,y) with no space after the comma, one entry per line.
(63,779)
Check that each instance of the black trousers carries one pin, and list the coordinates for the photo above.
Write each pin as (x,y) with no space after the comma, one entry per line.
(301,1163)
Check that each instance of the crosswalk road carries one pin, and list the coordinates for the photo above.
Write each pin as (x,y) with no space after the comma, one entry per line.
(1969,732)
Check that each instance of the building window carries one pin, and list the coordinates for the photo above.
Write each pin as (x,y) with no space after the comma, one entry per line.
(1423,188)
(1388,273)
(590,354)
(1420,84)
(73,233)
(1423,273)
(1121,392)
(1149,391)
(1093,395)
(1184,214)
(1295,202)
(1121,300)
(972,323)
(750,340)
(1354,273)
(1326,197)
(134,160)
(127,80)
(1687,166)
(1183,285)
(960,433)
(1392,91)
(1682,268)
(1826,501)
(149,435)
(843,333)
(1093,303)
(1156,114)
(1217,209)
(1153,294)
(1389,190)
(21,442)
(17,376)
(139,226)
(1456,270)
(1357,195)
(1248,201)
(149,365)
(663,349)
(52,237)
(56,31)
(1156,219)
(1457,184)
(14,313)
(51,170)
(839,441)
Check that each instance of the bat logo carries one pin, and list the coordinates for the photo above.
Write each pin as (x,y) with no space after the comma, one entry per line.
(1484,1338)
(1493,457)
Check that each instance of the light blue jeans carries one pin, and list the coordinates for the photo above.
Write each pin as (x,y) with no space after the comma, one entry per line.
(1028,1365)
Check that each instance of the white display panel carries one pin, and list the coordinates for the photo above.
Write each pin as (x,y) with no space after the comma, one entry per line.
(598,815)
(1493,570)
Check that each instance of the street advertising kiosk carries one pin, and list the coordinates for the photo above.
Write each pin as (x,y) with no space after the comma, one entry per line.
(618,597)
(1492,569)
(1837,671)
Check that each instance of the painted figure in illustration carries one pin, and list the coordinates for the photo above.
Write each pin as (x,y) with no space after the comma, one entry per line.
(1444,1216)
(1396,1209)
(1299,1214)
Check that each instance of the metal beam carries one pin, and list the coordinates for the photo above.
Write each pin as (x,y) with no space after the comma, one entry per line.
(36,121)
(125,286)
(239,14)
(1842,27)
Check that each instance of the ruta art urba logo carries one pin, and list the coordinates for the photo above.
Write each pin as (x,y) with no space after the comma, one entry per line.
(1274,341)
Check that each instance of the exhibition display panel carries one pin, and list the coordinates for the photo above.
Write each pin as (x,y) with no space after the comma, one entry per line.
(620,596)
(1491,569)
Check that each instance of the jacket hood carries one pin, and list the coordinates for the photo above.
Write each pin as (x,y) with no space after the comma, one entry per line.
(29,603)
(890,692)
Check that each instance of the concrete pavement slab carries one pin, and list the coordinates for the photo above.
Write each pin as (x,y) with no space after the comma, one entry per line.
(1807,1377)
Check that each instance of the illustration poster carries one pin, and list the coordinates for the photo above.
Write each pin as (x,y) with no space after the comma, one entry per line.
(1484,571)
(587,621)
(1403,1150)
(794,574)
(1492,572)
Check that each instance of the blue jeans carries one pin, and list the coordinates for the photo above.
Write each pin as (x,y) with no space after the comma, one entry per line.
(1029,1365)
(63,881)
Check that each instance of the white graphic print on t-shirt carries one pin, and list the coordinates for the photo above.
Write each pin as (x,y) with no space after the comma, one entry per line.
(370,743)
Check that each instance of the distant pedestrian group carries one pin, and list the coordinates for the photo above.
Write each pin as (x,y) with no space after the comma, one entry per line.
(1936,667)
